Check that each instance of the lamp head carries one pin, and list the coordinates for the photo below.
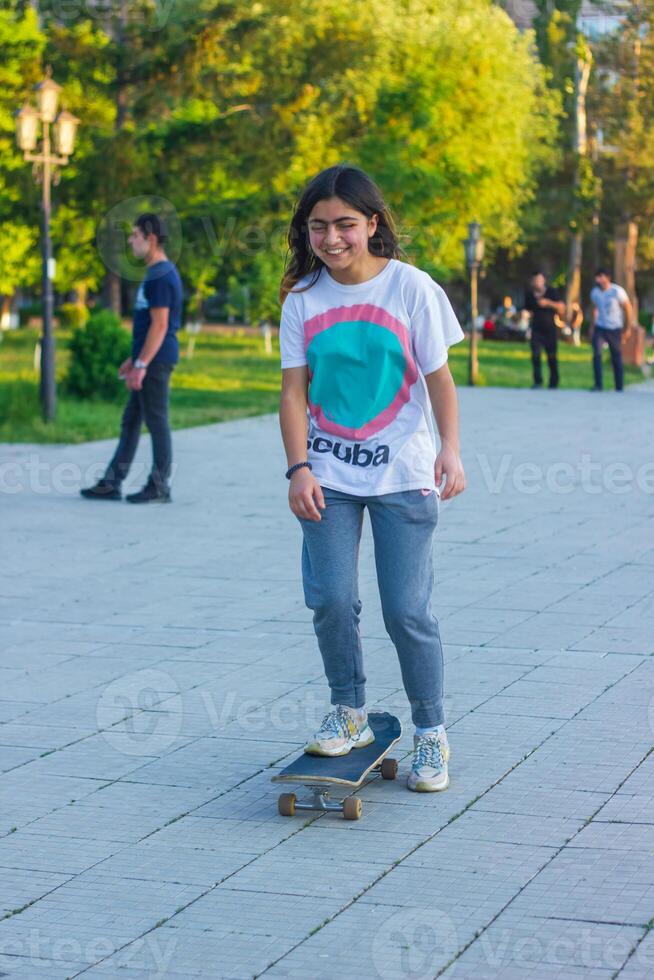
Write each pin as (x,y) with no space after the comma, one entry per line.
(47,98)
(65,129)
(27,126)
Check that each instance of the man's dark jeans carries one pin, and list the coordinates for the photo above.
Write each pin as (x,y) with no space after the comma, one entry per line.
(149,405)
(614,339)
(544,340)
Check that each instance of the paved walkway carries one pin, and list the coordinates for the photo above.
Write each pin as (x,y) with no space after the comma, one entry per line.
(158,665)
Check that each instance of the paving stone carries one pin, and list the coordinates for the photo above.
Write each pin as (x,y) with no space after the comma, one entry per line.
(598,884)
(517,945)
(146,703)
(637,808)
(155,860)
(640,964)
(19,887)
(543,801)
(371,940)
(92,915)
(41,852)
(36,967)
(338,879)
(479,824)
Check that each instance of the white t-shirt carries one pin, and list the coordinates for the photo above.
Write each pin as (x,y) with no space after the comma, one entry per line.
(610,315)
(368,347)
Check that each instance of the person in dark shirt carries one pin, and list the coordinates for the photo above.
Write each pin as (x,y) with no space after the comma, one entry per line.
(543,303)
(155,351)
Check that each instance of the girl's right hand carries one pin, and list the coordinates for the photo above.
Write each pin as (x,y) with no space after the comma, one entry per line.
(305,495)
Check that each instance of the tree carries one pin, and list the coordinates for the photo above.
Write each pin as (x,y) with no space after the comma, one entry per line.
(21,42)
(461,127)
(563,210)
(623,107)
(225,108)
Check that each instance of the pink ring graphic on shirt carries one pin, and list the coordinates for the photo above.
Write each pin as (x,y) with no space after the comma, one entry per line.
(382,318)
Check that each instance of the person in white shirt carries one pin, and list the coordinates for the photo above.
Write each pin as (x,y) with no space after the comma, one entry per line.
(611,320)
(364,339)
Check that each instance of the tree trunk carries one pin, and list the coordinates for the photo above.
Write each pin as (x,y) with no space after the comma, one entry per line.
(624,268)
(580,147)
(573,291)
(113,290)
(5,313)
(81,293)
(624,273)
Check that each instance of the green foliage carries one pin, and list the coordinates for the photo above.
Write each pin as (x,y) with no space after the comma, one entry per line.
(227,109)
(97,350)
(21,43)
(444,103)
(587,193)
(623,105)
(461,127)
(72,315)
(555,27)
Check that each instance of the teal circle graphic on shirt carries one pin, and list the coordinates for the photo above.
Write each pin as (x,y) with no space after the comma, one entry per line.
(357,370)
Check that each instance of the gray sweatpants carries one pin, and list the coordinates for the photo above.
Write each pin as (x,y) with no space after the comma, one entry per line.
(403,526)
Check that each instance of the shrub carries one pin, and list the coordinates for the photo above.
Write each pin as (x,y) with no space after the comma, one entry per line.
(96,352)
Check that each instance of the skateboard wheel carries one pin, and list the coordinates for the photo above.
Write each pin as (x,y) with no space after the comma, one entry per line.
(352,808)
(389,768)
(286,804)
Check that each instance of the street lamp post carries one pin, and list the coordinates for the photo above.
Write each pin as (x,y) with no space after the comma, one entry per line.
(474,252)
(45,164)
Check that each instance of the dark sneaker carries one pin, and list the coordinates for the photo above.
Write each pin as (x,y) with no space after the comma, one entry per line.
(150,494)
(596,388)
(103,490)
(536,385)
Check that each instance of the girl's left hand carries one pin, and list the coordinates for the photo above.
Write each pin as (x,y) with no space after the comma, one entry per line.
(448,464)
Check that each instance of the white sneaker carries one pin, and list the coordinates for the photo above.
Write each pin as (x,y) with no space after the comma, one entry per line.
(340,731)
(431,753)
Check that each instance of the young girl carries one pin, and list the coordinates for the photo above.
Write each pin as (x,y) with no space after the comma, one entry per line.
(364,339)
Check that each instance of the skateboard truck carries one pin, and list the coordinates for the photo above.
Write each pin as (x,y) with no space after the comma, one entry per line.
(321,800)
(350,807)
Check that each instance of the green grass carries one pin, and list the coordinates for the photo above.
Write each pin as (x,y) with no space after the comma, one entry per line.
(228,377)
(507,365)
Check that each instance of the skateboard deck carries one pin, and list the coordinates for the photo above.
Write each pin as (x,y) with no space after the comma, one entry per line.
(344,773)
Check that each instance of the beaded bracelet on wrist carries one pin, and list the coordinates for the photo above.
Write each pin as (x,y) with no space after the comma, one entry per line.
(291,471)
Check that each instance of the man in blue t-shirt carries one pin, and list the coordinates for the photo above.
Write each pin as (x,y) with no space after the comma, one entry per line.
(155,351)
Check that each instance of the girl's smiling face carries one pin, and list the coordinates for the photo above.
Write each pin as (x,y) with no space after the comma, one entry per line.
(339,234)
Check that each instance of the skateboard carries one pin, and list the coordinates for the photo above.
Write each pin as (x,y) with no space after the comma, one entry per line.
(342,773)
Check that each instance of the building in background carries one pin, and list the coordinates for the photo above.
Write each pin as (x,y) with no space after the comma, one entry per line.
(595,19)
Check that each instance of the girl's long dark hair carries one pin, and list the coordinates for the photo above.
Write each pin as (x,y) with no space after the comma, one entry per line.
(361,192)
